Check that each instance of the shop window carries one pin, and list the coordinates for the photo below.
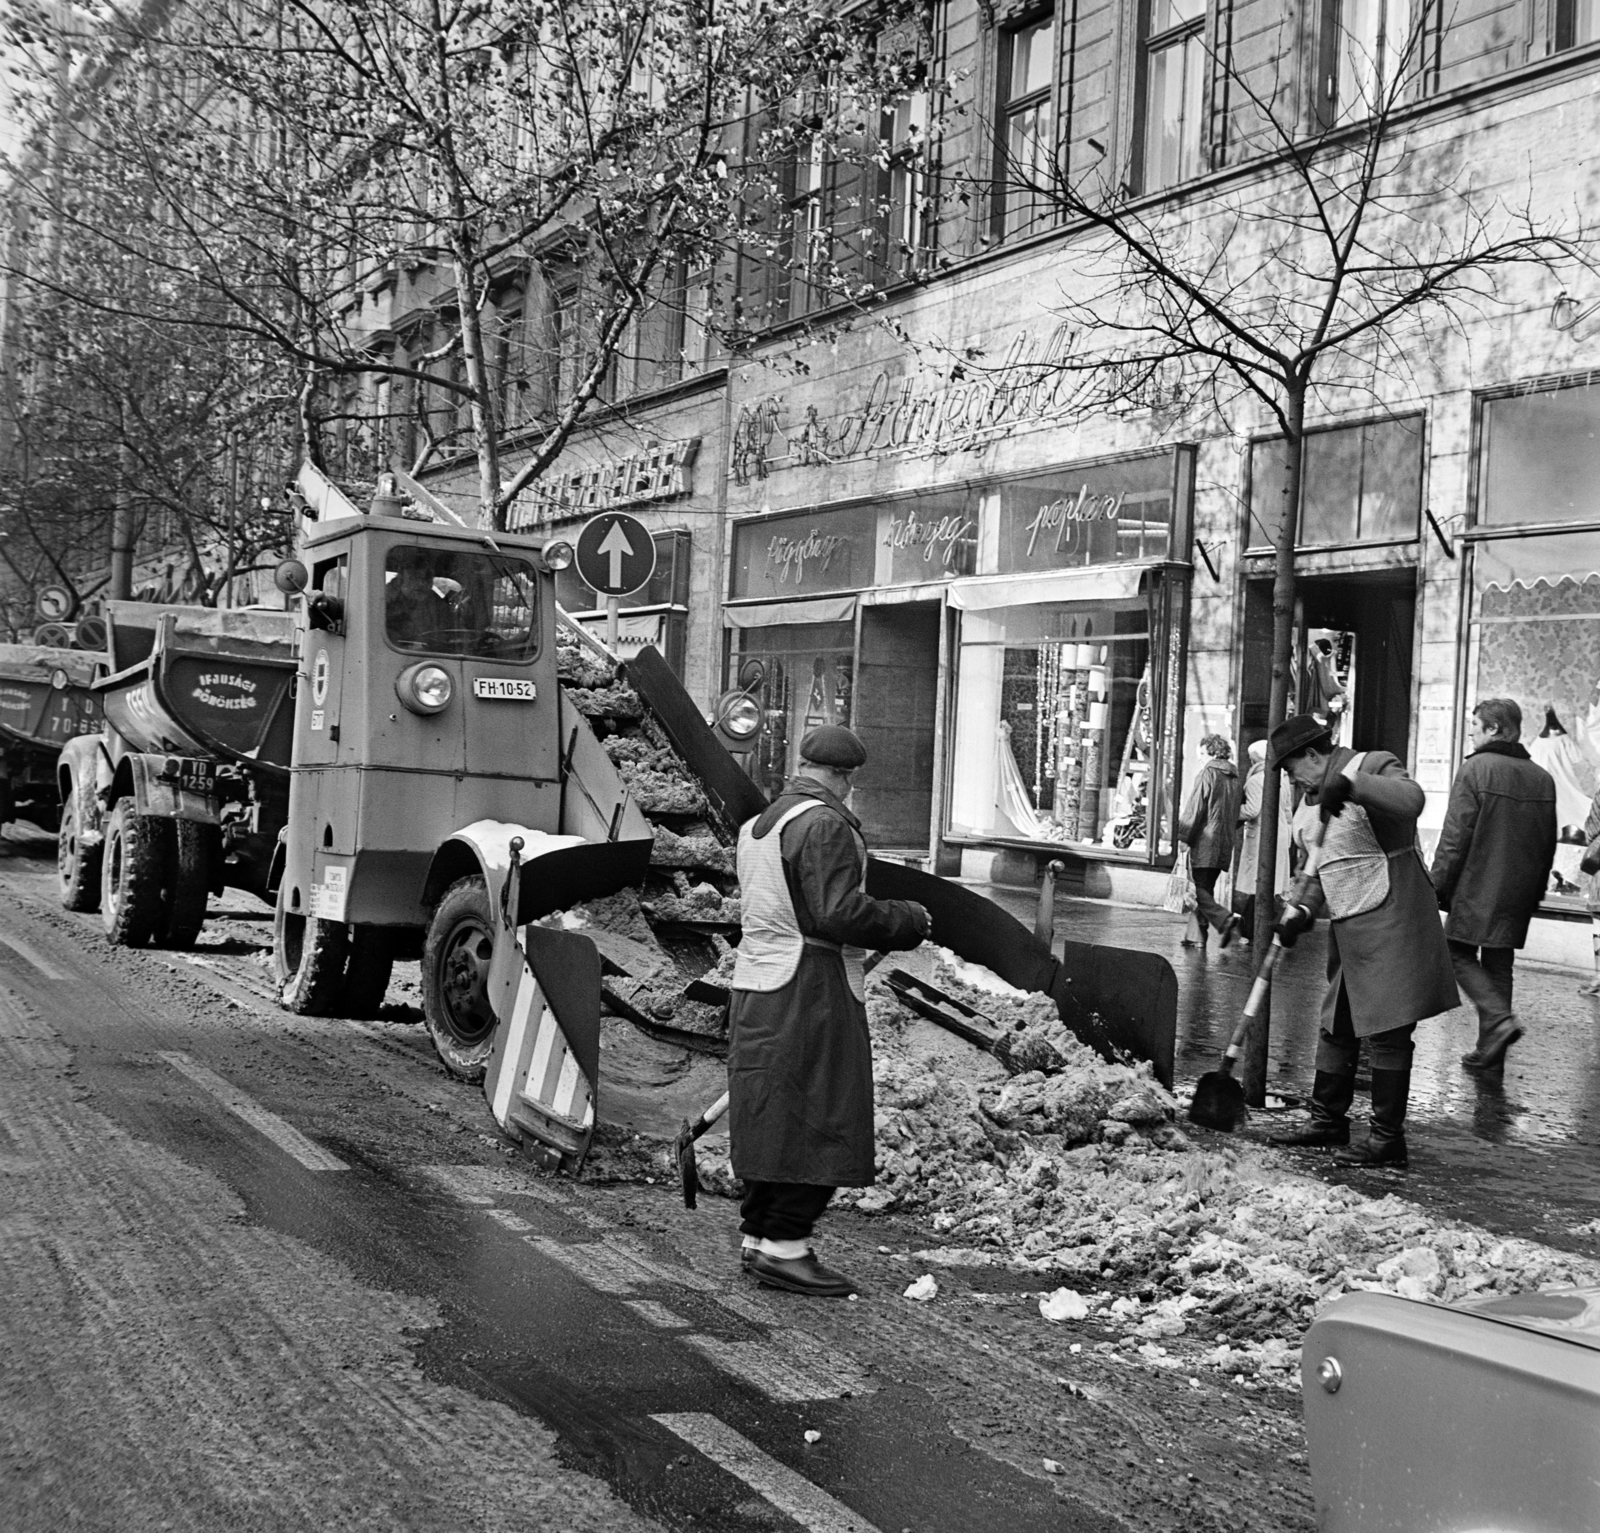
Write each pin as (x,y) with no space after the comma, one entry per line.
(1055,726)
(1026,128)
(1173,92)
(1541,458)
(1358,484)
(1535,637)
(802,676)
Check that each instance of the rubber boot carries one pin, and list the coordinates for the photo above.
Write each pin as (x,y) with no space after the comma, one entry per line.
(1386,1143)
(1330,1113)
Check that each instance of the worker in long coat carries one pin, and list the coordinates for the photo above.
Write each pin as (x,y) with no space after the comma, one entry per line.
(1388,963)
(800,1058)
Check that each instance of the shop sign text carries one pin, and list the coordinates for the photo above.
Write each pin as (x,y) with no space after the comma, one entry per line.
(659,472)
(788,555)
(1063,516)
(946,538)
(900,419)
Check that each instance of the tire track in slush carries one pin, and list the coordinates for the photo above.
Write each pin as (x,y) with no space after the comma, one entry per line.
(227,1376)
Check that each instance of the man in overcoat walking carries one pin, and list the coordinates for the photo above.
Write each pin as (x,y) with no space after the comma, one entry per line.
(1491,868)
(1388,965)
(800,1057)
(1208,823)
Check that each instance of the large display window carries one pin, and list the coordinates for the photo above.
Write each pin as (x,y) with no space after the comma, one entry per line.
(1059,733)
(1534,621)
(801,675)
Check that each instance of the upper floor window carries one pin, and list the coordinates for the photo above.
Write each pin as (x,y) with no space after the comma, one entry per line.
(1026,126)
(905,137)
(1574,23)
(1358,484)
(1367,45)
(1173,87)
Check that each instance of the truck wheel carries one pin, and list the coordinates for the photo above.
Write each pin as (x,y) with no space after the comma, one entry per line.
(366,976)
(309,956)
(77,866)
(133,873)
(455,978)
(183,900)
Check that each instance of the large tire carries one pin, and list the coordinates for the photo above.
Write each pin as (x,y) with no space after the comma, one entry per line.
(133,874)
(183,900)
(455,978)
(309,956)
(77,865)
(366,975)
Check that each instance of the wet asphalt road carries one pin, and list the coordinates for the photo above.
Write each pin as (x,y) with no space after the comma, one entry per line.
(259,1271)
(1518,1151)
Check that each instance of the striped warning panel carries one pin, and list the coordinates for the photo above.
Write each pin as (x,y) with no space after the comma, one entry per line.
(535,1064)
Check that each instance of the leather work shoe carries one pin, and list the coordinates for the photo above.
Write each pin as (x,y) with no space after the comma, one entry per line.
(801,1274)
(1314,1135)
(1375,1152)
(1230,930)
(1490,1053)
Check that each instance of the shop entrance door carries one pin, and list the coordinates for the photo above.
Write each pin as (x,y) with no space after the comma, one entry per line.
(1352,657)
(897,689)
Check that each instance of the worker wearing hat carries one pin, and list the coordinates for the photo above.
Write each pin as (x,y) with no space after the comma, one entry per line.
(800,1059)
(1388,963)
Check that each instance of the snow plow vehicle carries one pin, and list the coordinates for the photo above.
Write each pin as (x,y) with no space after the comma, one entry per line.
(45,702)
(184,790)
(1477,1417)
(470,773)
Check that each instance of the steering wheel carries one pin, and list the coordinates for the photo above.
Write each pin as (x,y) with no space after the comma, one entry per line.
(467,641)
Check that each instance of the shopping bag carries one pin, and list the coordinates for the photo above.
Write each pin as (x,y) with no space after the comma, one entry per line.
(1180,886)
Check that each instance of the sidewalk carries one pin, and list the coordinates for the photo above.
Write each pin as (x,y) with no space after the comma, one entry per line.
(1519,1154)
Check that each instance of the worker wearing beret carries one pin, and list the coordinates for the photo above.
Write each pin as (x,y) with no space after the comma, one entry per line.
(1388,963)
(800,1058)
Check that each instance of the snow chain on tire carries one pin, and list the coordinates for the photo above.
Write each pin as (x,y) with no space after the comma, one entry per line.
(455,965)
(133,874)
(77,866)
(183,905)
(309,957)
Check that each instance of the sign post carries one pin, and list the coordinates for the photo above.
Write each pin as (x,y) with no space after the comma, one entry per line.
(616,556)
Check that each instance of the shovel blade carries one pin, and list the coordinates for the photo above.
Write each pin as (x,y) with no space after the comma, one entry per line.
(1218,1102)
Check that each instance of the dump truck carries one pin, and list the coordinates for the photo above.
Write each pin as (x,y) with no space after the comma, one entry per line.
(182,793)
(45,702)
(466,768)
(1463,1418)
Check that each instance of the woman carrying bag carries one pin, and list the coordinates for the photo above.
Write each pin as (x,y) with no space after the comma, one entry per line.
(1208,825)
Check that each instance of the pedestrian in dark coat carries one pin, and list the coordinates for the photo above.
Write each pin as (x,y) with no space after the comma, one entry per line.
(1209,825)
(800,1057)
(1388,964)
(1491,868)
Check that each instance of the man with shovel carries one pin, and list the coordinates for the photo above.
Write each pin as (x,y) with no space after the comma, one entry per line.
(1388,963)
(800,1058)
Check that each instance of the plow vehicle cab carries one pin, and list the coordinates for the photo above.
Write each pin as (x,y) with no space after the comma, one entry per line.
(433,752)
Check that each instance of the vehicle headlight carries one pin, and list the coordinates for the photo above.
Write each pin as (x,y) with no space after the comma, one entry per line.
(557,556)
(59,679)
(740,716)
(425,688)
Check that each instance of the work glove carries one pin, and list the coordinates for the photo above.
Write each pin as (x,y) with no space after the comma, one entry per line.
(919,914)
(1336,792)
(1295,920)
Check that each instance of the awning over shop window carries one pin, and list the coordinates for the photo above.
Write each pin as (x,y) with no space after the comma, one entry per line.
(830,609)
(894,596)
(1102,582)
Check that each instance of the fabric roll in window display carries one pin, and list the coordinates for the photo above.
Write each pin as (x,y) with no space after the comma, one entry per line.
(1054,734)
(1537,637)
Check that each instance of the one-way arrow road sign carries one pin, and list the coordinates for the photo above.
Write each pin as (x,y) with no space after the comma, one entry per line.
(615,553)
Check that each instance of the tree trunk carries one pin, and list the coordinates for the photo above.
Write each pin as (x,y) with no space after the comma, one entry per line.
(123,534)
(1255,1046)
(485,421)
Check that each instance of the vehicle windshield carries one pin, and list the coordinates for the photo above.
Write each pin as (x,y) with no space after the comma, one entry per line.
(448,602)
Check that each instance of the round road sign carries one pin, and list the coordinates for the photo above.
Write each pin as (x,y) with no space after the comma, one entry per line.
(615,553)
(55,604)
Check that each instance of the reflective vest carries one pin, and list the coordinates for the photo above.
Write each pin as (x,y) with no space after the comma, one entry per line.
(768,956)
(1354,868)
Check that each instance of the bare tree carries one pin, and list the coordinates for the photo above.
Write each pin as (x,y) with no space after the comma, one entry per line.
(418,204)
(1323,271)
